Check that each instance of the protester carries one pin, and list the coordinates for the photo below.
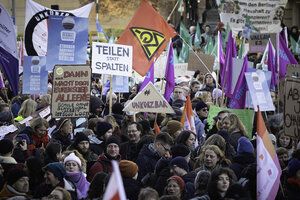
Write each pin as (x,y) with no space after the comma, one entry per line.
(176,187)
(27,109)
(285,141)
(97,186)
(59,193)
(148,194)
(62,135)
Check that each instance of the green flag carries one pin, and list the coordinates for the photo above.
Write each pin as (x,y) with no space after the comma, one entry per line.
(241,50)
(294,46)
(179,6)
(112,39)
(176,60)
(198,39)
(184,54)
(209,46)
(227,32)
(187,41)
(184,33)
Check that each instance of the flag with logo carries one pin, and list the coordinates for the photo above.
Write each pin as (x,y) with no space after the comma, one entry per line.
(115,188)
(36,25)
(271,65)
(149,35)
(295,45)
(102,37)
(268,167)
(198,39)
(169,73)
(149,77)
(286,57)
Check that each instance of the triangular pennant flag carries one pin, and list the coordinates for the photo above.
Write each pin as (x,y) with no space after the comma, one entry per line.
(198,39)
(102,37)
(112,39)
(271,66)
(149,100)
(157,129)
(169,73)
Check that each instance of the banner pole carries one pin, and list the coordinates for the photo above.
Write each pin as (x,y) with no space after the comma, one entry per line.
(172,11)
(110,94)
(278,69)
(217,93)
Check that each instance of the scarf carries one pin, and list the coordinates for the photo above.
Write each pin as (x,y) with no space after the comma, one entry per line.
(80,182)
(294,181)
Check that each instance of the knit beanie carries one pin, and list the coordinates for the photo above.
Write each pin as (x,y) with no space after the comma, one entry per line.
(117,108)
(244,145)
(179,150)
(200,105)
(128,168)
(14,175)
(61,122)
(293,167)
(102,128)
(80,137)
(112,139)
(173,126)
(236,191)
(179,180)
(6,146)
(180,162)
(57,169)
(72,157)
(95,102)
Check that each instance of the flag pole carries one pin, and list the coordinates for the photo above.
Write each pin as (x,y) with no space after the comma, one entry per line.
(217,93)
(110,94)
(278,69)
(171,11)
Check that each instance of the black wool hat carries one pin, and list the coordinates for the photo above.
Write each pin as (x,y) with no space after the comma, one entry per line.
(80,137)
(112,139)
(14,175)
(6,146)
(102,128)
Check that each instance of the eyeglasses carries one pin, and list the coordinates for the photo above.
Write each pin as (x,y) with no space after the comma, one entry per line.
(166,149)
(204,109)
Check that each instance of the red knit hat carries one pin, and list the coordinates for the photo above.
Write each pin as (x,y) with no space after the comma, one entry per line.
(179,180)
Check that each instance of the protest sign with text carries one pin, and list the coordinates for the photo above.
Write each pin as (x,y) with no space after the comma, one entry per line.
(259,41)
(293,70)
(113,59)
(292,108)
(71,91)
(120,84)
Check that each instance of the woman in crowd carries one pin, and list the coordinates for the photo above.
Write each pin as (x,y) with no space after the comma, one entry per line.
(43,101)
(209,83)
(53,153)
(33,166)
(176,187)
(97,186)
(285,141)
(27,109)
(62,134)
(59,193)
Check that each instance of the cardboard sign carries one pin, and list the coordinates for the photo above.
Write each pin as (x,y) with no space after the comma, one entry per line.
(292,108)
(149,100)
(180,69)
(120,84)
(196,64)
(259,91)
(71,91)
(258,41)
(7,129)
(114,59)
(293,70)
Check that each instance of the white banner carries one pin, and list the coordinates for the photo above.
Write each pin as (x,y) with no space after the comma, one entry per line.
(35,29)
(264,15)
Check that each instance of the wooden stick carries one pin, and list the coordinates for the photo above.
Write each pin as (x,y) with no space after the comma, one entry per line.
(172,11)
(110,94)
(217,93)
(248,100)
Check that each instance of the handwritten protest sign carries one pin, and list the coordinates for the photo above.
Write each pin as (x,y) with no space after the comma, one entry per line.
(246,116)
(292,108)
(258,41)
(114,59)
(196,64)
(149,100)
(71,91)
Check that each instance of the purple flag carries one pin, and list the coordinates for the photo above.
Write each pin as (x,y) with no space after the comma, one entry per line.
(169,74)
(233,48)
(227,72)
(221,56)
(238,98)
(272,66)
(1,81)
(286,57)
(149,77)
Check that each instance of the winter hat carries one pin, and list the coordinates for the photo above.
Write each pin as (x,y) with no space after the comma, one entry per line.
(293,167)
(200,105)
(114,96)
(173,126)
(215,92)
(145,125)
(61,122)
(5,117)
(181,80)
(95,102)
(6,146)
(201,179)
(179,150)
(57,169)
(180,162)
(244,145)
(14,175)
(237,191)
(102,128)
(80,137)
(128,168)
(179,180)
(72,157)
(112,139)
(117,108)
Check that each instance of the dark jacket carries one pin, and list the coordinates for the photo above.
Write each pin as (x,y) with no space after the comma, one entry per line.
(234,138)
(240,162)
(189,180)
(63,140)
(132,188)
(128,151)
(162,172)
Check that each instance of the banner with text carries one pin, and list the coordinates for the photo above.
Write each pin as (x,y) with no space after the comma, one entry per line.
(71,91)
(259,41)
(67,38)
(120,84)
(35,75)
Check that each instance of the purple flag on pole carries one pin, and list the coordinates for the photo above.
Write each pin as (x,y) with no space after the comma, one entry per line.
(169,74)
(227,72)
(233,48)
(272,66)
(1,81)
(149,77)
(221,56)
(286,57)
(238,98)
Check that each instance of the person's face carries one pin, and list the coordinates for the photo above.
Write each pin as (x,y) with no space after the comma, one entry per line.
(207,29)
(41,103)
(113,150)
(134,90)
(203,112)
(56,194)
(84,146)
(67,127)
(50,179)
(284,140)
(173,188)
(150,116)
(162,149)
(196,88)
(220,118)
(178,93)
(108,134)
(209,80)
(273,96)
(72,166)
(22,185)
(133,134)
(190,142)
(223,183)
(40,131)
(114,100)
(283,158)
(226,124)
(210,158)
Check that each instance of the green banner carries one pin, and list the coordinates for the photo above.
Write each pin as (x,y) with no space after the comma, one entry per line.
(246,117)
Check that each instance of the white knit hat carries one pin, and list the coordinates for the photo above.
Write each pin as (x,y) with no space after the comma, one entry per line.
(72,157)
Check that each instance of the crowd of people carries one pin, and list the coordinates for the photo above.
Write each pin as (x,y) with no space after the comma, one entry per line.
(64,159)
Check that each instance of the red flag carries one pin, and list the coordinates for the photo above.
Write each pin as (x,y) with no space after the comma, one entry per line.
(157,129)
(187,118)
(149,35)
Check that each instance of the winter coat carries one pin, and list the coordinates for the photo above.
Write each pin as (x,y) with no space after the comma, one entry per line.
(162,172)
(200,129)
(234,138)
(8,192)
(128,151)
(63,140)
(240,162)
(293,189)
(132,188)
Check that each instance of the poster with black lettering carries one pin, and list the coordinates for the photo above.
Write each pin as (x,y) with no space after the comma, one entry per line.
(259,41)
(114,59)
(292,108)
(149,100)
(71,91)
